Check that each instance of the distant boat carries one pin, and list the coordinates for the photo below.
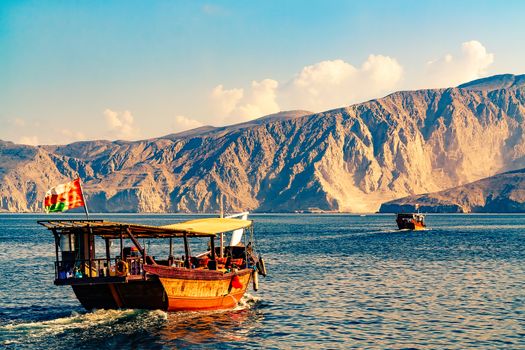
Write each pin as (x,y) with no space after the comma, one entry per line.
(215,279)
(411,221)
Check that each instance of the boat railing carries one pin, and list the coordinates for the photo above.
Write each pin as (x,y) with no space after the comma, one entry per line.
(99,268)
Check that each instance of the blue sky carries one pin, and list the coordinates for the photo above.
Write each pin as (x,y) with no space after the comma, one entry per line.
(137,69)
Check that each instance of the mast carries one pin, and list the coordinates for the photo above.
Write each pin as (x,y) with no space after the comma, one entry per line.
(90,236)
(221,252)
(83,198)
(186,251)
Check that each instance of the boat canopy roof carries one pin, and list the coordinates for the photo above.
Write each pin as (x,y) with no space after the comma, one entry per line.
(209,226)
(194,228)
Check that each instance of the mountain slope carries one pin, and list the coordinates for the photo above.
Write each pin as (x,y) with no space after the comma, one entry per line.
(348,159)
(496,82)
(503,193)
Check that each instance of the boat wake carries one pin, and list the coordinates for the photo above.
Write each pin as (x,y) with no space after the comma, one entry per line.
(111,321)
(404,230)
(104,324)
(393,231)
(248,301)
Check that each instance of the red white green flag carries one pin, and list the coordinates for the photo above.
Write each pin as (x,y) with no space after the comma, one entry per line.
(64,197)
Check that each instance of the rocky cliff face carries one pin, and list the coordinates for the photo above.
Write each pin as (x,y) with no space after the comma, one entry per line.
(502,193)
(349,159)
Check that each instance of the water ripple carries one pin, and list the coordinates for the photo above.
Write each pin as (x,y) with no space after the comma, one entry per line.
(337,281)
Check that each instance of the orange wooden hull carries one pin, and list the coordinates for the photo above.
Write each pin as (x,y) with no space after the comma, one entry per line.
(413,225)
(419,226)
(190,290)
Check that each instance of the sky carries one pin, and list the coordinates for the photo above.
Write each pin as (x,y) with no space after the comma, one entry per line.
(129,70)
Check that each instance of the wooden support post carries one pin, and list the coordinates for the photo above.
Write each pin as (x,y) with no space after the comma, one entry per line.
(108,257)
(171,247)
(245,252)
(212,264)
(221,250)
(212,245)
(91,248)
(186,251)
(144,261)
(57,240)
(84,253)
(136,243)
(121,245)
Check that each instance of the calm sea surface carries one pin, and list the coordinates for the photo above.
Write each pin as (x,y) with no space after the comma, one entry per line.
(335,281)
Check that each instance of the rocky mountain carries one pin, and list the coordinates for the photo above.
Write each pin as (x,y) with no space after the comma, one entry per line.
(496,82)
(350,159)
(502,193)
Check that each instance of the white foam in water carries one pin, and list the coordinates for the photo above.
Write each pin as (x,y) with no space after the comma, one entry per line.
(18,333)
(247,302)
(29,332)
(405,230)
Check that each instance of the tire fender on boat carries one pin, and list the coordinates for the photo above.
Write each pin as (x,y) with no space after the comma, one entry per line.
(122,268)
(255,280)
(261,267)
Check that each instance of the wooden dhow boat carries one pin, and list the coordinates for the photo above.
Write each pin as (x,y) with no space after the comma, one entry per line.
(411,221)
(215,279)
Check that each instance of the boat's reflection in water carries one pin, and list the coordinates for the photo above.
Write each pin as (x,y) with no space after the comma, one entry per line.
(227,326)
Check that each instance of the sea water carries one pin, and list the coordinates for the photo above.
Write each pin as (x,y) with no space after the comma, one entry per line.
(334,281)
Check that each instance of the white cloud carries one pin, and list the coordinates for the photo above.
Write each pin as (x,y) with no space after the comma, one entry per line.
(472,63)
(236,105)
(182,123)
(121,124)
(336,83)
(324,73)
(260,100)
(28,140)
(224,101)
(382,71)
(317,87)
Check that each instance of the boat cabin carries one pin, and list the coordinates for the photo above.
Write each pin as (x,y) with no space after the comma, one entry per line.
(109,267)
(85,249)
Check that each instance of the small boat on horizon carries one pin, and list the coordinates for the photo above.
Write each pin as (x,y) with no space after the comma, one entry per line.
(134,279)
(410,221)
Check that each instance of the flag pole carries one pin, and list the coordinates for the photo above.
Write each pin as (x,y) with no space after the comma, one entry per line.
(83,198)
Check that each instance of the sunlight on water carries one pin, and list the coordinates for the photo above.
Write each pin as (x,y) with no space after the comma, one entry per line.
(335,281)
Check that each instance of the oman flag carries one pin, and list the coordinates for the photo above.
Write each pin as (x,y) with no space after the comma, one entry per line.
(64,197)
